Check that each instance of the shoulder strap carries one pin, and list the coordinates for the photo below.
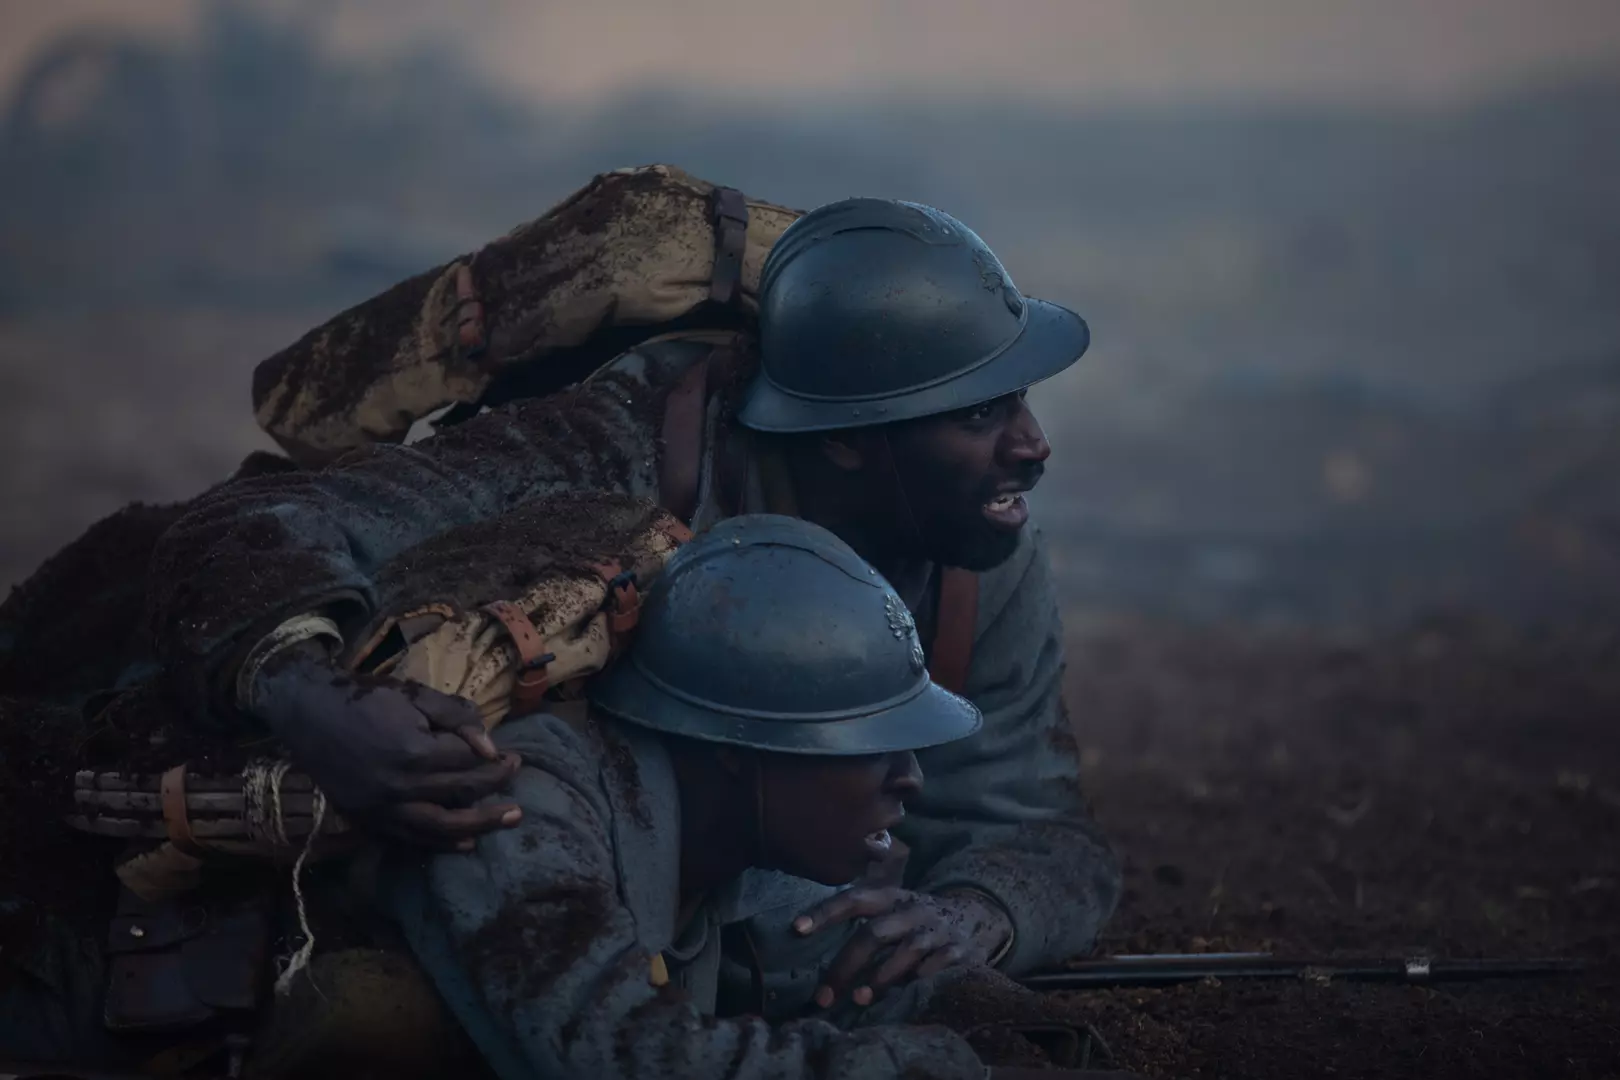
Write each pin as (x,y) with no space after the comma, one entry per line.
(730,215)
(955,620)
(680,469)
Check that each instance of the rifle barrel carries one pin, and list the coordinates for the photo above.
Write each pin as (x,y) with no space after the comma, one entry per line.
(1169,969)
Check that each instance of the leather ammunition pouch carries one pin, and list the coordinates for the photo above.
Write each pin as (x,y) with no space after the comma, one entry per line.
(183,963)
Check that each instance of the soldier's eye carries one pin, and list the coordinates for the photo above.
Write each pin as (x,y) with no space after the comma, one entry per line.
(983,413)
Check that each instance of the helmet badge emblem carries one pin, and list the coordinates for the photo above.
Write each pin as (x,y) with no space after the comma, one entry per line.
(994,279)
(990,275)
(903,627)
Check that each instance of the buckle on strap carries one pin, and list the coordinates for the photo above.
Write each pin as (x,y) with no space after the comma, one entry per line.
(623,603)
(533,679)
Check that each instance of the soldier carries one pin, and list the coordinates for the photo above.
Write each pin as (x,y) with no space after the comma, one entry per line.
(762,725)
(889,408)
(748,755)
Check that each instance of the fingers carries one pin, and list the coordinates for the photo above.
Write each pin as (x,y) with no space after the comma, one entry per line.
(460,788)
(479,740)
(861,951)
(440,752)
(857,953)
(952,955)
(425,825)
(925,953)
(853,958)
(457,715)
(903,962)
(857,903)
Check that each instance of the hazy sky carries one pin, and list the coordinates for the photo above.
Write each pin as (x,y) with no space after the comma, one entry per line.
(1412,50)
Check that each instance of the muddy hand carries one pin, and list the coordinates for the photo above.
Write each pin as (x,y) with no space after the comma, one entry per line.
(399,759)
(907,935)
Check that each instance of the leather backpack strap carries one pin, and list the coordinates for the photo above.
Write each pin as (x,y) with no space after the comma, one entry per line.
(622,603)
(533,679)
(680,469)
(730,214)
(469,314)
(176,821)
(955,620)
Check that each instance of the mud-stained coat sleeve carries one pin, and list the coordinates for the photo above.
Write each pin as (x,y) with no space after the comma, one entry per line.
(530,946)
(252,553)
(1002,812)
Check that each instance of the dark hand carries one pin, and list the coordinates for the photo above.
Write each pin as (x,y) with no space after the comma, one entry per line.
(908,935)
(399,759)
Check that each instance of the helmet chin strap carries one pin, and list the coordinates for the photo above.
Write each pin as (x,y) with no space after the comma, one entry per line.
(893,468)
(761,847)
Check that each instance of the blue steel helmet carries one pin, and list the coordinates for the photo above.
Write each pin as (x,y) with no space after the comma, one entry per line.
(770,632)
(874,310)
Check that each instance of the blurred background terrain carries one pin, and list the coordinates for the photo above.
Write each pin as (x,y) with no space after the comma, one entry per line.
(1353,270)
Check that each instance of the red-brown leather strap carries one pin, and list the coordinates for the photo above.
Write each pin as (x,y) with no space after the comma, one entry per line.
(469,313)
(172,795)
(624,608)
(674,531)
(731,465)
(533,678)
(623,602)
(954,624)
(681,466)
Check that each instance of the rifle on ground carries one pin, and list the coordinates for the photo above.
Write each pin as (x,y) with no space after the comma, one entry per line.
(1165,969)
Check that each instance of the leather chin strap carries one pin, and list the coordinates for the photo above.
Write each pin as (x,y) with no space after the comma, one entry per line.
(956,613)
(759,810)
(893,468)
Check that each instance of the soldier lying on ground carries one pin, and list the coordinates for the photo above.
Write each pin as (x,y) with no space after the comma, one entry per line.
(894,354)
(756,739)
(762,725)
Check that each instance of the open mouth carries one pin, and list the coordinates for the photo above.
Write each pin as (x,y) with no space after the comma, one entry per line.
(880,842)
(1008,510)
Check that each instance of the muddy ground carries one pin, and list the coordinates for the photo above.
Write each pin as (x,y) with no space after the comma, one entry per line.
(1453,789)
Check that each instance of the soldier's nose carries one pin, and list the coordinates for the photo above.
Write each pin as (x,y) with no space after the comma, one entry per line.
(905,774)
(1025,441)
